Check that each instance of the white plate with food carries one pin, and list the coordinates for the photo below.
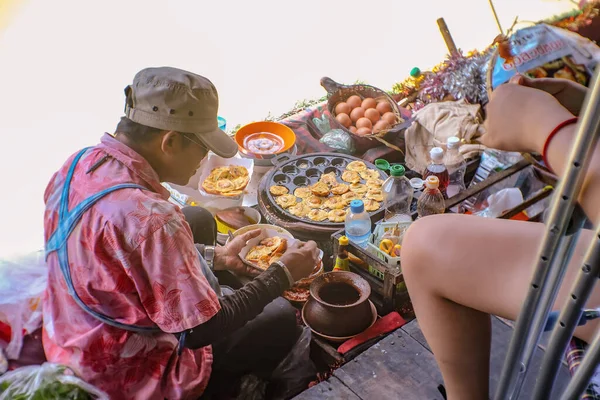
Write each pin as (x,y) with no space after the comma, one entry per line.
(268,247)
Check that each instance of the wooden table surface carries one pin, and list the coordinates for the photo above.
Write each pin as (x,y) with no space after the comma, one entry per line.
(401,366)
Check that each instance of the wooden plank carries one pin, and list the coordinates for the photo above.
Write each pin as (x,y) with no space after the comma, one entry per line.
(397,367)
(501,334)
(332,388)
(413,329)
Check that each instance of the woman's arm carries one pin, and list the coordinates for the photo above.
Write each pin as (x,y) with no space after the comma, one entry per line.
(558,155)
(520,118)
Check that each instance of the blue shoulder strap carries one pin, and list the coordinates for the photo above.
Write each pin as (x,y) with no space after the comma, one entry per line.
(67,221)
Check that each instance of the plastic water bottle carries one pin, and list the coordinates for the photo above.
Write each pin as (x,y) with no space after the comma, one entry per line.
(397,196)
(431,201)
(358,224)
(456,165)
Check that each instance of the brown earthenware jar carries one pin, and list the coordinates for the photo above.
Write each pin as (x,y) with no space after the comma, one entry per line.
(339,304)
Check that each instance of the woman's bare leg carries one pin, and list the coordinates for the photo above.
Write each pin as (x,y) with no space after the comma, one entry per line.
(459,269)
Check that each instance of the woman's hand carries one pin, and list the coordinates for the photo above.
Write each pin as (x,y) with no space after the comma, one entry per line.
(520,118)
(228,257)
(568,93)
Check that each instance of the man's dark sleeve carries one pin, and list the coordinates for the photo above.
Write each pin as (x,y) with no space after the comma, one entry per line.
(242,306)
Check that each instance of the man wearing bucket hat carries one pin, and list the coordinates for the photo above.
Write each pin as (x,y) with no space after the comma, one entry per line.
(132,304)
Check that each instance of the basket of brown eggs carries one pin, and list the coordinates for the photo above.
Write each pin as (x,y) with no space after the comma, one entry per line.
(367,113)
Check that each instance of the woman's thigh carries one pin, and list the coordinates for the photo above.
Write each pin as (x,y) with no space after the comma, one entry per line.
(485,264)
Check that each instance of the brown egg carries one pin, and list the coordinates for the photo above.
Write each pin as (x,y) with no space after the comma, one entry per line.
(368,103)
(364,123)
(354,101)
(357,113)
(352,129)
(383,107)
(389,117)
(380,126)
(344,119)
(363,131)
(372,114)
(343,108)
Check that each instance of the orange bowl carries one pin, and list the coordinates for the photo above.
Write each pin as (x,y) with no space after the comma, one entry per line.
(285,134)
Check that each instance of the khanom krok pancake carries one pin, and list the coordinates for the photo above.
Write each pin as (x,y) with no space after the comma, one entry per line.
(286,200)
(374,183)
(371,205)
(314,201)
(278,190)
(320,189)
(334,203)
(317,215)
(374,194)
(359,188)
(299,210)
(329,178)
(369,174)
(356,166)
(266,252)
(302,192)
(229,180)
(337,215)
(340,189)
(351,177)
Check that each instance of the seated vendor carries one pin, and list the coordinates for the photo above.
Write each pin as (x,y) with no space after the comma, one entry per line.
(132,305)
(459,269)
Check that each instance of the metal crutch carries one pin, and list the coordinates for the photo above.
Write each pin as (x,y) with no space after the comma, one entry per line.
(550,270)
(586,369)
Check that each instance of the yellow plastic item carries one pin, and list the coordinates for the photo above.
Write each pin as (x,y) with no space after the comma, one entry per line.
(396,251)
(344,241)
(386,245)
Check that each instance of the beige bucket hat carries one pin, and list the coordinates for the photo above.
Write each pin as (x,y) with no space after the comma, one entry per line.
(177,100)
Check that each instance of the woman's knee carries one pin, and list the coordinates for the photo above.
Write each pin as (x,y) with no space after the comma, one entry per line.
(423,244)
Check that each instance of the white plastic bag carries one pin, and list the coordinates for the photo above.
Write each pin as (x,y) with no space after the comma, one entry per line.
(47,381)
(22,284)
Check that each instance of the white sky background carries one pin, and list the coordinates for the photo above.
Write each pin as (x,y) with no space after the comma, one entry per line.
(64,65)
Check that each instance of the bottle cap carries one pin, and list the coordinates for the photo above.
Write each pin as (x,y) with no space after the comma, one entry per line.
(382,164)
(415,72)
(453,142)
(432,182)
(357,206)
(417,183)
(344,241)
(436,154)
(397,170)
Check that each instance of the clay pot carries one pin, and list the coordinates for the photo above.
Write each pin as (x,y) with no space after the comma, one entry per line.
(339,304)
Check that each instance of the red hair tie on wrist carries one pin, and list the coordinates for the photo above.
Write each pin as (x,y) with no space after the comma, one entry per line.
(558,128)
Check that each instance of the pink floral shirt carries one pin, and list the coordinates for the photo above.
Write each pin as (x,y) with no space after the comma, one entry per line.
(132,258)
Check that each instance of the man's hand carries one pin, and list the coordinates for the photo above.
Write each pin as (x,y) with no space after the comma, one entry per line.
(300,259)
(228,257)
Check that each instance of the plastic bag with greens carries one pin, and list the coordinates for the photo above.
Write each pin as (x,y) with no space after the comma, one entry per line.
(46,382)
(339,140)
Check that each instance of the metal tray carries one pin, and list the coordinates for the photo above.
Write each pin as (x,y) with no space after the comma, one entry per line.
(306,170)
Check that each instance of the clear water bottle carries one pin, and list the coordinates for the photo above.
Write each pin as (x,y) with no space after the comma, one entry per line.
(397,195)
(456,165)
(438,169)
(358,224)
(431,201)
